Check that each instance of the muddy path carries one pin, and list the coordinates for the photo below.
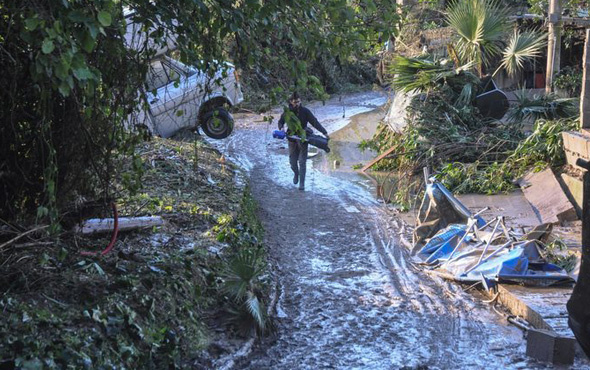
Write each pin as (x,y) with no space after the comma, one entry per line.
(349,294)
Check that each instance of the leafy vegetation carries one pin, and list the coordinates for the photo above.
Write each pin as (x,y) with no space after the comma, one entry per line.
(541,7)
(521,47)
(569,79)
(424,73)
(469,152)
(556,252)
(531,108)
(242,282)
(73,81)
(444,129)
(151,301)
(481,27)
(542,148)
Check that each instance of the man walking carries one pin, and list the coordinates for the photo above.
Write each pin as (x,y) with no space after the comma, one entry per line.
(297,117)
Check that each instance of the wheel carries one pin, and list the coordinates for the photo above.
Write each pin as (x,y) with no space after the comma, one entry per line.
(218,123)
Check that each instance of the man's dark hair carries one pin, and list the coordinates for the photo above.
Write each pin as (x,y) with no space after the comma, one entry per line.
(294,96)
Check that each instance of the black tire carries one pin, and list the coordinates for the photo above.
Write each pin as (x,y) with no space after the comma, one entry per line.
(217,124)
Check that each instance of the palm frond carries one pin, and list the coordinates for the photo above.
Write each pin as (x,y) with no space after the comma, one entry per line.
(241,273)
(242,283)
(256,310)
(415,74)
(422,73)
(466,96)
(480,26)
(532,108)
(521,47)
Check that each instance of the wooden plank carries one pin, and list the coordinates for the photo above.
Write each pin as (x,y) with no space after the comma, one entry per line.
(548,199)
(380,157)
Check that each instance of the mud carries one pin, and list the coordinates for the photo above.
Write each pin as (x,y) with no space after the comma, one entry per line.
(350,297)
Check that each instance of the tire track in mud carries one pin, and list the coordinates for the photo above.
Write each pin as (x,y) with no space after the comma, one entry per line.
(432,300)
(351,300)
(331,302)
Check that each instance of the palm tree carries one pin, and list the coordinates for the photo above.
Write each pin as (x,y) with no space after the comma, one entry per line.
(242,284)
(482,27)
(521,47)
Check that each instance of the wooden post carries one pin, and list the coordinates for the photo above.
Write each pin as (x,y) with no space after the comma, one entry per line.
(585,95)
(553,43)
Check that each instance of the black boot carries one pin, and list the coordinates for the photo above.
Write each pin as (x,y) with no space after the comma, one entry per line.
(302,185)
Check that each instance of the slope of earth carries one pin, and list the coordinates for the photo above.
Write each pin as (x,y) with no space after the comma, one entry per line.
(155,300)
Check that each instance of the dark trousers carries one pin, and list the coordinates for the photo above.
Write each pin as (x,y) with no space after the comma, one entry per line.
(298,159)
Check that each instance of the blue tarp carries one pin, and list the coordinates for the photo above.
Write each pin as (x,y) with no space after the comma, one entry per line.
(515,261)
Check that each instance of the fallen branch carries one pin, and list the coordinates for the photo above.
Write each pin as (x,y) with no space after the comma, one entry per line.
(32,244)
(101,225)
(380,157)
(2,246)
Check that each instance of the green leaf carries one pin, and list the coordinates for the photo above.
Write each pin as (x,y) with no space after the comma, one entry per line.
(256,309)
(57,27)
(98,269)
(33,364)
(51,33)
(47,46)
(94,30)
(42,211)
(77,16)
(62,69)
(64,89)
(88,43)
(32,23)
(83,73)
(105,18)
(63,253)
(78,61)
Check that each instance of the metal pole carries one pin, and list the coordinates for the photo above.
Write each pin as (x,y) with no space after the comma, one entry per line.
(470,224)
(489,241)
(500,248)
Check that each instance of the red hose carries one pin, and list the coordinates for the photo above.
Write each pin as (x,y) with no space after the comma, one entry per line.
(113,236)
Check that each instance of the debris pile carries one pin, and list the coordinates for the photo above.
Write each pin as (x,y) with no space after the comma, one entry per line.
(452,241)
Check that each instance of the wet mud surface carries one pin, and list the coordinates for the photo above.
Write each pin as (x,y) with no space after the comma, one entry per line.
(349,296)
